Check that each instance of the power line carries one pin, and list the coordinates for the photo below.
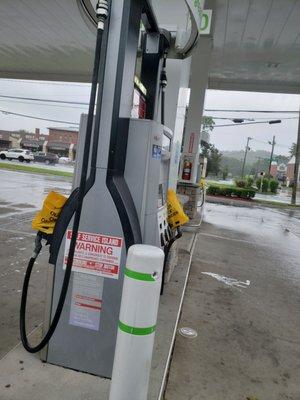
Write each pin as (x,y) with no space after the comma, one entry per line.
(44,104)
(43,100)
(46,82)
(40,118)
(250,123)
(228,118)
(255,111)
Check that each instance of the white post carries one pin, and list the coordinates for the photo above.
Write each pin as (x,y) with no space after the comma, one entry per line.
(137,323)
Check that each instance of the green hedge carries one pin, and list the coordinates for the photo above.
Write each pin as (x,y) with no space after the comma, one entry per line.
(244,193)
(274,185)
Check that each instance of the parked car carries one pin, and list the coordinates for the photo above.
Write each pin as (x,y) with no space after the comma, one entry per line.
(47,158)
(65,160)
(17,154)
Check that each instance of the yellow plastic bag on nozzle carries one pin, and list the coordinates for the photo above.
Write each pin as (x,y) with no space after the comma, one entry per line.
(45,219)
(176,215)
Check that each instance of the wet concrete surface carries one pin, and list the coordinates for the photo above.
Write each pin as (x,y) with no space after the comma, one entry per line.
(248,343)
(21,194)
(248,340)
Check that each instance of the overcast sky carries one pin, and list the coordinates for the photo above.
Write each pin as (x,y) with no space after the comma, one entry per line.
(230,138)
(234,138)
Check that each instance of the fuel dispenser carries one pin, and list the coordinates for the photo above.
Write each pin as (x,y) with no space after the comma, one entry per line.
(119,195)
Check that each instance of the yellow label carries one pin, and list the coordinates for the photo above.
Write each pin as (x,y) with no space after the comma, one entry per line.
(45,219)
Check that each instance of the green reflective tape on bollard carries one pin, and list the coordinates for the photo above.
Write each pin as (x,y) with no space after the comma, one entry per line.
(136,331)
(139,275)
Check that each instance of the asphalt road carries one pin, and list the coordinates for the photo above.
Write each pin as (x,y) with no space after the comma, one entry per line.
(243,299)
(21,190)
(21,194)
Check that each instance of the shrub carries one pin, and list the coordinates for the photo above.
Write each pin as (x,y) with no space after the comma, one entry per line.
(241,183)
(265,185)
(244,193)
(258,183)
(249,181)
(274,185)
(225,173)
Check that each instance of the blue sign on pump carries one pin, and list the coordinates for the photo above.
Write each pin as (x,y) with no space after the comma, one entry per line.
(156,152)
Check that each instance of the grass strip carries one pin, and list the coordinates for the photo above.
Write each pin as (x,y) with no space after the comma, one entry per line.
(275,204)
(34,170)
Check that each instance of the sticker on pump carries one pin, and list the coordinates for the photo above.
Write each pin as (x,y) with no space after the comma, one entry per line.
(95,254)
(86,301)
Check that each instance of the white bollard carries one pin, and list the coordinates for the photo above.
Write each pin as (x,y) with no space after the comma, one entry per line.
(137,322)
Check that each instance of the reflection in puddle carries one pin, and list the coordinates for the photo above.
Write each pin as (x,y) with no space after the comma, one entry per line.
(228,281)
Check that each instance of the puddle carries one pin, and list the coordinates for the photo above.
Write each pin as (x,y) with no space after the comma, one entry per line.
(7,210)
(23,205)
(228,281)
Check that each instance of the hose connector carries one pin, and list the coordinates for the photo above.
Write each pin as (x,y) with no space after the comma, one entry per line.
(102,13)
(163,75)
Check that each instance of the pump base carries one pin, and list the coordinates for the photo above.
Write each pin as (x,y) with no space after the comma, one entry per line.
(33,376)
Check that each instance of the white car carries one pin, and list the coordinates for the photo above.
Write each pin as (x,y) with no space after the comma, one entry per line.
(17,154)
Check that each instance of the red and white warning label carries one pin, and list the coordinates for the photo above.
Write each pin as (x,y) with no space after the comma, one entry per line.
(95,254)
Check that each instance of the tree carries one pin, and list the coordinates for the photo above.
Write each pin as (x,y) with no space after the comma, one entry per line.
(293,149)
(281,159)
(214,157)
(23,131)
(225,173)
(233,165)
(207,124)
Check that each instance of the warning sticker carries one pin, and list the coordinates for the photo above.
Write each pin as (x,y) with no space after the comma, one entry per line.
(95,254)
(86,301)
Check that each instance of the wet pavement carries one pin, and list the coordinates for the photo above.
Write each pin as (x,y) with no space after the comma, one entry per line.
(21,191)
(243,299)
(21,194)
(243,296)
(283,196)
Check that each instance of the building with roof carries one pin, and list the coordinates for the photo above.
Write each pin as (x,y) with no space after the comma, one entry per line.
(19,139)
(291,170)
(62,141)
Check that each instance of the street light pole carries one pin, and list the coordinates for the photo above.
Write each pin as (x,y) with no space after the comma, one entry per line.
(297,162)
(245,157)
(272,152)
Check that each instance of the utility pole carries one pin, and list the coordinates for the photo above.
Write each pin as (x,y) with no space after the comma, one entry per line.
(246,151)
(258,165)
(297,161)
(272,152)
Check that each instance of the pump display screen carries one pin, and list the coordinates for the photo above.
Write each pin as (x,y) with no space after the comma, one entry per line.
(160,199)
(139,105)
(139,100)
(166,144)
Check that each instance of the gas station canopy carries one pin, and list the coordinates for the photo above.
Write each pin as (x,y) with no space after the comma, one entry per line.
(256,43)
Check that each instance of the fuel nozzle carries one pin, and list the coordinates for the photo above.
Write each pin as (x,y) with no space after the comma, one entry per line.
(102,13)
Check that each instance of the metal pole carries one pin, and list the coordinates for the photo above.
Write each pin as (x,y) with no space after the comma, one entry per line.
(297,162)
(245,157)
(272,152)
(257,165)
(138,315)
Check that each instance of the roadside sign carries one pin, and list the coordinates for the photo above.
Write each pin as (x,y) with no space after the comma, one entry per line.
(206,22)
(95,254)
(196,9)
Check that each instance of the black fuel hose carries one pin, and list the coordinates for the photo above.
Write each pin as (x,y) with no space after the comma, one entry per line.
(163,83)
(102,12)
(203,198)
(167,252)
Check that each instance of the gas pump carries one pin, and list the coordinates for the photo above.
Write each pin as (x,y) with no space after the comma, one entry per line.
(119,195)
